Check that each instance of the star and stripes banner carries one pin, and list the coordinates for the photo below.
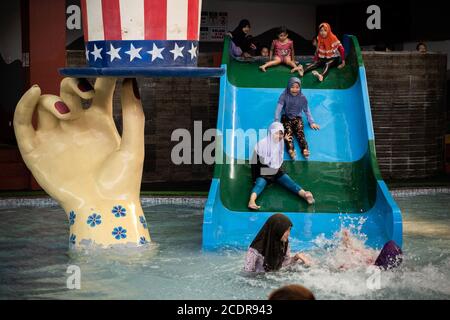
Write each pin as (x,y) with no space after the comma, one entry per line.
(137,33)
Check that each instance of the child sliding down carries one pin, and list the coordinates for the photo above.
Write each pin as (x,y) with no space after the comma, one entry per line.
(266,167)
(291,104)
(282,51)
(329,51)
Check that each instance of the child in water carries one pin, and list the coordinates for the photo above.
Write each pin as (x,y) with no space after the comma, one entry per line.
(293,103)
(270,250)
(282,51)
(353,254)
(328,53)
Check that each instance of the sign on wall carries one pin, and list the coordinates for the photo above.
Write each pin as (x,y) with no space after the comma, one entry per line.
(213,25)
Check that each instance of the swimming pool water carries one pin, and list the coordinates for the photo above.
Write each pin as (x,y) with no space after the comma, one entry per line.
(34,258)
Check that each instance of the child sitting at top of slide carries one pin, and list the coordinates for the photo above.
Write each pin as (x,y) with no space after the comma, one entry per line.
(241,41)
(291,105)
(328,53)
(264,51)
(282,51)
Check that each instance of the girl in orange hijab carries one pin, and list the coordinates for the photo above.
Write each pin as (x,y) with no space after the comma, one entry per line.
(328,54)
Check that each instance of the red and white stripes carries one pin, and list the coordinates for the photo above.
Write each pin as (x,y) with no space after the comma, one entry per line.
(141,19)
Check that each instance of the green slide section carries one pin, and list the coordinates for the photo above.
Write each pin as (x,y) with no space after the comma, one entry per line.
(339,187)
(248,75)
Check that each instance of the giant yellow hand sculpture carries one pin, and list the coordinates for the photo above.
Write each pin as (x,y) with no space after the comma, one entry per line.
(80,159)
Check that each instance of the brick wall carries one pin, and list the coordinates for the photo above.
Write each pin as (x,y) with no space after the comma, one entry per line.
(408,99)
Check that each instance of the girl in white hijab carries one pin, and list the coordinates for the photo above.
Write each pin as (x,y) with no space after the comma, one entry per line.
(266,166)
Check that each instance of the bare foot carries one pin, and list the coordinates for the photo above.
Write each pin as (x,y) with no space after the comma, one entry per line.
(253,206)
(262,68)
(306,153)
(300,70)
(318,76)
(293,154)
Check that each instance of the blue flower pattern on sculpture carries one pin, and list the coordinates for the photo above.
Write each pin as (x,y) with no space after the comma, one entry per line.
(72,239)
(143,221)
(94,220)
(119,233)
(119,211)
(143,241)
(72,217)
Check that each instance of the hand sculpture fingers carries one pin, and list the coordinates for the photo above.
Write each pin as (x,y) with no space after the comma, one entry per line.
(127,163)
(23,115)
(52,109)
(104,92)
(133,118)
(72,91)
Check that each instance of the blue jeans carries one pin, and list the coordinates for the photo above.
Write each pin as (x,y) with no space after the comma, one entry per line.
(284,180)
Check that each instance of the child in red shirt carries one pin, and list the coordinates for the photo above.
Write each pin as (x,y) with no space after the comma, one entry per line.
(329,52)
(282,51)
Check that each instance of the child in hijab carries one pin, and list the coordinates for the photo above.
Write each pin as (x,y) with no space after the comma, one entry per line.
(282,51)
(329,51)
(355,254)
(266,166)
(291,104)
(241,40)
(270,250)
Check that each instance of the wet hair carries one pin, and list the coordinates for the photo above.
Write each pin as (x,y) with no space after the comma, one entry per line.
(292,292)
(281,30)
(421,44)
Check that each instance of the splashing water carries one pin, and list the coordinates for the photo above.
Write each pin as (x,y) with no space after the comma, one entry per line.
(34,260)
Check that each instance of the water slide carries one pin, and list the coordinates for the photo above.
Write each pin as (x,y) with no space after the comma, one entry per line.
(342,171)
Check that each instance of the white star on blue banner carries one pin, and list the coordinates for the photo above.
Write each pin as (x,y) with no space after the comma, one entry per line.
(139,53)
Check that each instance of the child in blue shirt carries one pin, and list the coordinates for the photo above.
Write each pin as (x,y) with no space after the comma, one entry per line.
(291,104)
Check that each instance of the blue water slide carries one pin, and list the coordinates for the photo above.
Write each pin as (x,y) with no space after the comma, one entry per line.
(342,170)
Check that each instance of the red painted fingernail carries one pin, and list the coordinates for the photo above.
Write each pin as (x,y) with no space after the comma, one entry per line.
(62,107)
(136,92)
(84,85)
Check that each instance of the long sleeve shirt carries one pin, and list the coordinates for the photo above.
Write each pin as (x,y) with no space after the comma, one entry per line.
(340,49)
(254,261)
(292,110)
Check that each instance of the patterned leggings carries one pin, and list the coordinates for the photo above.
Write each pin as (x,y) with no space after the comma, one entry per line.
(327,64)
(294,127)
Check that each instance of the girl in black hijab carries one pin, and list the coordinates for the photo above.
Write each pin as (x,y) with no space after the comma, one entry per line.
(241,38)
(270,250)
